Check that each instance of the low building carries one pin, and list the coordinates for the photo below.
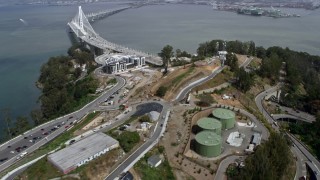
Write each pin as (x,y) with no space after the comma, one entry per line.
(154,115)
(154,161)
(256,139)
(82,152)
(120,63)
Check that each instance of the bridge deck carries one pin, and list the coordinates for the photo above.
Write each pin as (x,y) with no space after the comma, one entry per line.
(88,35)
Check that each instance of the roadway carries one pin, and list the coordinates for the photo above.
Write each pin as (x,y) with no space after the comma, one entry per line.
(289,116)
(142,149)
(299,149)
(65,122)
(220,174)
(188,88)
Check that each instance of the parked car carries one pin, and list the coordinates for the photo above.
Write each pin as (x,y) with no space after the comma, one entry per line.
(72,141)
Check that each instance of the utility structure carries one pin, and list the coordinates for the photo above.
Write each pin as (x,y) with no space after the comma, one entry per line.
(81,32)
(222,54)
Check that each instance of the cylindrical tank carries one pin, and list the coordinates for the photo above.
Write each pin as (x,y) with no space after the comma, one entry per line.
(208,144)
(210,124)
(227,117)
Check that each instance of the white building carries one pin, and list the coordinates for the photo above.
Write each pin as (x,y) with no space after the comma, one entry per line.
(120,63)
(83,151)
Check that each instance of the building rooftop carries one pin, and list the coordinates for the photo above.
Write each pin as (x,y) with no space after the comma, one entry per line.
(81,150)
(208,138)
(223,113)
(209,123)
(154,115)
(153,160)
(256,138)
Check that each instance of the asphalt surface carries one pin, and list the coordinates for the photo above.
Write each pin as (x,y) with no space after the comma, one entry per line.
(64,122)
(299,149)
(188,88)
(157,133)
(289,116)
(220,174)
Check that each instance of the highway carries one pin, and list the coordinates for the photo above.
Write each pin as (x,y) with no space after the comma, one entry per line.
(299,149)
(39,131)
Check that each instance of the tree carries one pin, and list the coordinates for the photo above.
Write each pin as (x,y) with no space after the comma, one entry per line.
(161,91)
(232,61)
(6,116)
(37,116)
(166,54)
(244,80)
(21,125)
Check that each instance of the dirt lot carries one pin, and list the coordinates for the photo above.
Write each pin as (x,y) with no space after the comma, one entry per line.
(241,58)
(176,139)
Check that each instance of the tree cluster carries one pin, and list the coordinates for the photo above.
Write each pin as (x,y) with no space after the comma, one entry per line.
(244,80)
(232,61)
(61,93)
(128,140)
(302,76)
(270,161)
(20,125)
(309,133)
(161,91)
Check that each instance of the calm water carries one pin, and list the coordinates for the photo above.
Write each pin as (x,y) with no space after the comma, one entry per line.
(26,46)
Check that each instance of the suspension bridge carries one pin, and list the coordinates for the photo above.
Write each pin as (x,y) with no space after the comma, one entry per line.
(102,48)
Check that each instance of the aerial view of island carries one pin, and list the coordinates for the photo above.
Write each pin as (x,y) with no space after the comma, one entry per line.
(160,90)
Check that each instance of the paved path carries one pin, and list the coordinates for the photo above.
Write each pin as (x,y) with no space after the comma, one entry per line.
(221,172)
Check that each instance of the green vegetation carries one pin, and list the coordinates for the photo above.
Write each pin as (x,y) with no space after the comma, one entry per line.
(244,80)
(144,118)
(211,48)
(127,140)
(60,95)
(42,169)
(181,76)
(166,54)
(112,81)
(205,100)
(161,91)
(270,161)
(232,61)
(309,133)
(13,129)
(54,144)
(162,172)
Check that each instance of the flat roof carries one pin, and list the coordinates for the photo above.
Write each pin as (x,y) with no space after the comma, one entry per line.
(209,123)
(81,150)
(154,159)
(208,138)
(223,113)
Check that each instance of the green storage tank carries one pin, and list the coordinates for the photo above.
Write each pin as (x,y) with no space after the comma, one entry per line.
(210,124)
(208,144)
(227,117)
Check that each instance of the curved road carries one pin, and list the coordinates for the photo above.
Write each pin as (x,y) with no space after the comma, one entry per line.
(188,88)
(299,149)
(64,122)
